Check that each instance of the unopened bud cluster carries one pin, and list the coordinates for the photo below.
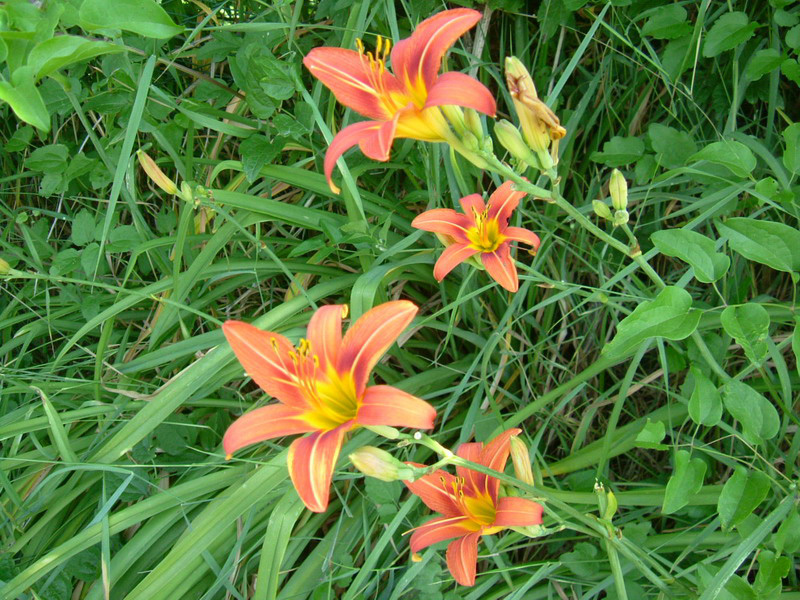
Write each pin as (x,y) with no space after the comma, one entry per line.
(379,464)
(618,190)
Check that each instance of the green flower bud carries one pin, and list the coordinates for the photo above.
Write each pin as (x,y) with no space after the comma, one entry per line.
(601,209)
(472,120)
(4,267)
(511,139)
(520,458)
(621,217)
(378,463)
(618,188)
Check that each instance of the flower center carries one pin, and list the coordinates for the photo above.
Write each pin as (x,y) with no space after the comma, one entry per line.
(331,395)
(480,509)
(485,236)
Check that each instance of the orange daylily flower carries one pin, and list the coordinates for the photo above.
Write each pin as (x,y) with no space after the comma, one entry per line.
(470,506)
(481,229)
(321,386)
(403,104)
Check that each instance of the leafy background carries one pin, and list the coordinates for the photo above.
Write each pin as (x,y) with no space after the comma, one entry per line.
(115,390)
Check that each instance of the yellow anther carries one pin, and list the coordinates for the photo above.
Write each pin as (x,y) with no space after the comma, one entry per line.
(360,45)
(387,46)
(274,343)
(378,46)
(345,310)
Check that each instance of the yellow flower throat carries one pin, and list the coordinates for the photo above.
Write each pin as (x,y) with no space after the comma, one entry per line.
(485,236)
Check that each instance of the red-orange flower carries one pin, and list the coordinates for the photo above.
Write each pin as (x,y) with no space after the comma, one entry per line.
(481,229)
(322,389)
(403,104)
(471,506)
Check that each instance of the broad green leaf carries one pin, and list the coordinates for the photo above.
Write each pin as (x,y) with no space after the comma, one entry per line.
(673,148)
(686,480)
(619,151)
(734,156)
(773,244)
(145,17)
(763,62)
(791,70)
(49,159)
(756,415)
(783,18)
(740,496)
(748,324)
(787,538)
(669,315)
(667,23)
(695,249)
(24,98)
(793,37)
(705,405)
(651,436)
(729,31)
(771,570)
(63,50)
(791,157)
(256,152)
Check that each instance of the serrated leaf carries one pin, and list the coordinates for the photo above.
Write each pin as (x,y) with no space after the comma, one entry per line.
(773,244)
(748,324)
(762,63)
(49,159)
(771,570)
(58,52)
(619,151)
(667,23)
(144,17)
(705,405)
(741,495)
(756,415)
(793,37)
(791,70)
(695,249)
(785,19)
(669,315)
(791,156)
(673,148)
(82,228)
(258,151)
(734,156)
(685,482)
(730,30)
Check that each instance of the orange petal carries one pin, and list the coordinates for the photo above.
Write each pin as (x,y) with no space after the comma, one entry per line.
(370,337)
(495,455)
(342,142)
(517,512)
(417,59)
(265,423)
(348,75)
(500,267)
(476,482)
(438,530)
(432,490)
(445,221)
(265,358)
(377,144)
(504,201)
(311,462)
(325,333)
(386,405)
(452,256)
(522,235)
(462,558)
(472,204)
(459,89)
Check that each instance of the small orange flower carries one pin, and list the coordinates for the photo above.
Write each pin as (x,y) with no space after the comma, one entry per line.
(321,386)
(481,229)
(403,104)
(470,506)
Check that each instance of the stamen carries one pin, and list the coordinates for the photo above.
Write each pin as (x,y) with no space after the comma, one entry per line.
(378,46)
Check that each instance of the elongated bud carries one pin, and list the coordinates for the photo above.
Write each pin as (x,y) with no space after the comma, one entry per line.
(511,139)
(618,189)
(4,267)
(472,120)
(186,192)
(539,124)
(379,464)
(156,175)
(606,501)
(455,116)
(621,217)
(521,459)
(601,209)
(384,431)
